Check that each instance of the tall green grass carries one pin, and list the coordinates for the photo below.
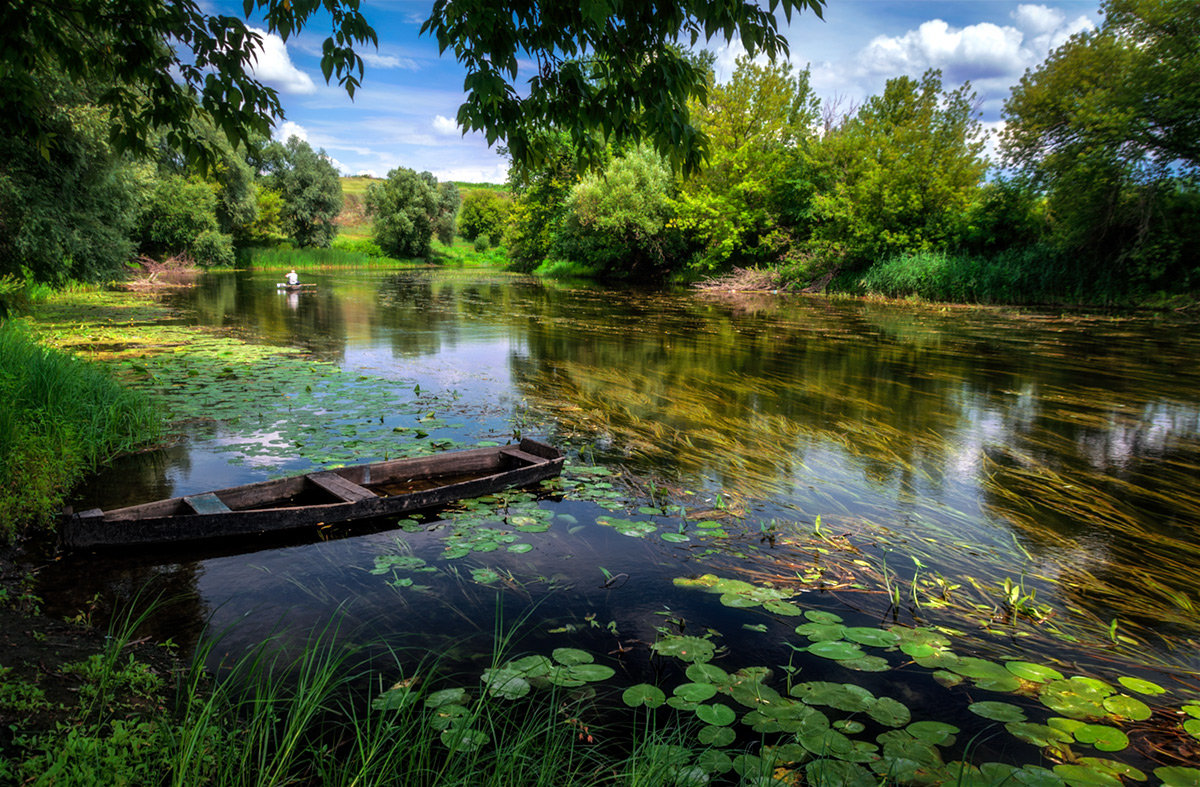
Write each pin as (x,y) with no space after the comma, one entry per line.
(279,715)
(1034,274)
(61,418)
(282,258)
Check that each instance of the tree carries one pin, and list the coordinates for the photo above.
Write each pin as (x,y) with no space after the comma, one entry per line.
(163,65)
(539,203)
(619,222)
(449,201)
(601,66)
(406,208)
(70,212)
(757,124)
(1109,127)
(311,190)
(180,217)
(898,175)
(484,213)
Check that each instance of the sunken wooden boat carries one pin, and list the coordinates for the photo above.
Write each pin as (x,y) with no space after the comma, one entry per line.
(322,498)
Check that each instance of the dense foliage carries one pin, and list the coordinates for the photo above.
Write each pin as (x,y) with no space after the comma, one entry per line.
(484,212)
(310,188)
(409,208)
(1109,130)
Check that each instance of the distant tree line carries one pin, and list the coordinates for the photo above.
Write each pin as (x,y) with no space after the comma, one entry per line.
(1096,196)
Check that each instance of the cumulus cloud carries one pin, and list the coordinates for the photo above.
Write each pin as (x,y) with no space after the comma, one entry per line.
(287,129)
(273,66)
(444,125)
(992,57)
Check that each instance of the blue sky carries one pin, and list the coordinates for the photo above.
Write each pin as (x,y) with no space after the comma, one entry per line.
(403,115)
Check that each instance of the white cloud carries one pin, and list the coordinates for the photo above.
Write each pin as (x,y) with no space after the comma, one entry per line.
(341,168)
(287,129)
(444,125)
(991,56)
(367,173)
(274,67)
(376,60)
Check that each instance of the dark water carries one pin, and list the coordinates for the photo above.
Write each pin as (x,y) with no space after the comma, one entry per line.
(1057,451)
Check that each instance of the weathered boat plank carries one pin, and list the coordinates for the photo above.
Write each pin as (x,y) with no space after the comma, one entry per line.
(339,487)
(207,503)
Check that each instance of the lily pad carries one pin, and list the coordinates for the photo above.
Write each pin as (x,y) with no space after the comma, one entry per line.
(836,773)
(1103,737)
(1178,776)
(643,694)
(710,735)
(1127,707)
(889,712)
(571,656)
(997,711)
(874,638)
(1140,686)
(843,696)
(1085,776)
(464,740)
(836,650)
(456,696)
(821,616)
(717,715)
(685,648)
(938,733)
(822,632)
(1035,673)
(695,692)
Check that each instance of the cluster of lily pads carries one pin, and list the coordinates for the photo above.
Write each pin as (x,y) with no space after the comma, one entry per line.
(451,709)
(273,406)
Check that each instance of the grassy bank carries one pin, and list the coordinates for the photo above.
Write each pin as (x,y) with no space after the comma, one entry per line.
(61,418)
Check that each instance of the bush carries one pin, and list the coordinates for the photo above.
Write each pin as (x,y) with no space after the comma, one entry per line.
(359,246)
(481,243)
(213,248)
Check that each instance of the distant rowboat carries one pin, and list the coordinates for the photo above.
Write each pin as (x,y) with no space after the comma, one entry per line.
(326,497)
(294,287)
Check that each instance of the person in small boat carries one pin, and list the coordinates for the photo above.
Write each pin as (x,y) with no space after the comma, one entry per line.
(292,278)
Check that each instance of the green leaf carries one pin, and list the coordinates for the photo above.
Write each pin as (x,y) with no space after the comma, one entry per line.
(643,694)
(717,715)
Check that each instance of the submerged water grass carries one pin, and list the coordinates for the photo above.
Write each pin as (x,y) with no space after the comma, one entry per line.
(61,418)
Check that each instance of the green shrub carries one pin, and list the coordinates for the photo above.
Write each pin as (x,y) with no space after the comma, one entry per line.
(213,248)
(359,246)
(480,243)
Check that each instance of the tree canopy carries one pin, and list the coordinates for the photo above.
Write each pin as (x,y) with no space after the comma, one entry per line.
(603,67)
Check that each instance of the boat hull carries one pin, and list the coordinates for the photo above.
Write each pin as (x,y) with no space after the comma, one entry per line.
(323,498)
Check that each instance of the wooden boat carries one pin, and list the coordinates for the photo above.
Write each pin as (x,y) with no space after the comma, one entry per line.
(283,287)
(321,498)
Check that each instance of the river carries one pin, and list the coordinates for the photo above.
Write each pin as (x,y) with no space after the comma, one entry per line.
(1027,481)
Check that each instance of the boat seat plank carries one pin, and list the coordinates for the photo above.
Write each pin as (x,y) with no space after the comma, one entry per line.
(339,487)
(523,456)
(207,503)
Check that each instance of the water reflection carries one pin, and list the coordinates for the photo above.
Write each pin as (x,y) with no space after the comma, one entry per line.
(1058,450)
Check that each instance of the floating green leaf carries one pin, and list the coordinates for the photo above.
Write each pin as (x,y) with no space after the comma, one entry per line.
(1178,776)
(1127,707)
(889,712)
(1036,673)
(717,715)
(1140,686)
(710,735)
(685,648)
(695,692)
(874,638)
(456,696)
(937,733)
(997,711)
(836,650)
(571,656)
(643,694)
